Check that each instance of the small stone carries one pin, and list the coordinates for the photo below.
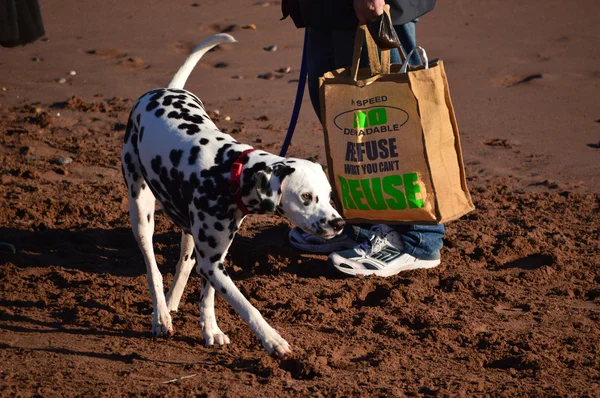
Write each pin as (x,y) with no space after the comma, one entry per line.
(25,150)
(240,98)
(4,89)
(38,110)
(216,112)
(237,77)
(62,161)
(262,4)
(263,118)
(61,171)
(271,48)
(249,26)
(195,5)
(227,118)
(267,76)
(61,80)
(258,140)
(57,114)
(287,69)
(72,73)
(36,59)
(221,65)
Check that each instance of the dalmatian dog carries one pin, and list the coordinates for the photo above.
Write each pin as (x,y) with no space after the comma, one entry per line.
(207,182)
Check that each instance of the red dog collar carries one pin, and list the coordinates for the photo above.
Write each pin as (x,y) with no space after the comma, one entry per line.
(235,180)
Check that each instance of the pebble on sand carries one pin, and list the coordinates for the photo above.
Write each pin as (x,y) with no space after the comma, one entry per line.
(61,80)
(62,160)
(271,48)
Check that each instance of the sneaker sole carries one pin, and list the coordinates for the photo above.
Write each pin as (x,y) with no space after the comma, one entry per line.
(386,272)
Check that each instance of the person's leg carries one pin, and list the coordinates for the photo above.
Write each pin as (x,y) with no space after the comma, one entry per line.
(408,39)
(319,60)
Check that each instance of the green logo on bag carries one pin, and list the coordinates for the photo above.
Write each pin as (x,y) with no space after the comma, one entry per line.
(369,121)
(394,192)
(373,117)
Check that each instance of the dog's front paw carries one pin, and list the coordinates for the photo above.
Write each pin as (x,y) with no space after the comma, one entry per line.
(275,344)
(213,334)
(162,326)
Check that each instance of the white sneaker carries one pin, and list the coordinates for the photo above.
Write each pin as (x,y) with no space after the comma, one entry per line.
(315,244)
(381,255)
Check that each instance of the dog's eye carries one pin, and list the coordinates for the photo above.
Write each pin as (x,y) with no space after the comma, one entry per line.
(307,197)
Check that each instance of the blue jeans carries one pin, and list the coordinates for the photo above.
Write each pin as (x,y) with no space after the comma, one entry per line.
(329,49)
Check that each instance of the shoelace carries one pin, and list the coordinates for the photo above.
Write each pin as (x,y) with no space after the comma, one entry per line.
(375,243)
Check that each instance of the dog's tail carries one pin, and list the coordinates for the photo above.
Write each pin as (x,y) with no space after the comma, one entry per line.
(183,73)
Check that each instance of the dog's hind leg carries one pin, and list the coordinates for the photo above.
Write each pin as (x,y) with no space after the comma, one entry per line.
(187,259)
(141,211)
(208,322)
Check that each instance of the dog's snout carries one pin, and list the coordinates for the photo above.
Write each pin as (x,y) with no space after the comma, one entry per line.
(337,224)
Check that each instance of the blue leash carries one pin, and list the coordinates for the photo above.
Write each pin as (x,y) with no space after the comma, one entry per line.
(298,101)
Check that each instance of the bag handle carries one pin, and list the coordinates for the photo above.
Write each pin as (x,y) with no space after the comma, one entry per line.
(423,55)
(379,34)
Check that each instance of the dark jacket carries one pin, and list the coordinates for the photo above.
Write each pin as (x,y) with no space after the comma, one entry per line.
(339,14)
(20,22)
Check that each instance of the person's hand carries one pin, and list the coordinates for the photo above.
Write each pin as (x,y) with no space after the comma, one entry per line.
(368,10)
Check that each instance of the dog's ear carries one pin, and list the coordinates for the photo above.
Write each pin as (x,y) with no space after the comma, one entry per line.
(268,183)
(282,170)
(268,189)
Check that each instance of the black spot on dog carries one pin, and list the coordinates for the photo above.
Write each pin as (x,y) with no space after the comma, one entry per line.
(135,176)
(128,130)
(190,128)
(212,242)
(202,255)
(175,156)
(219,226)
(267,205)
(211,272)
(159,112)
(152,105)
(202,235)
(220,138)
(186,257)
(193,154)
(215,258)
(156,163)
(203,141)
(149,217)
(223,290)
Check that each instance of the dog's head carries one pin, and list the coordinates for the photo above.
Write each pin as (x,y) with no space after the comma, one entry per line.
(299,190)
